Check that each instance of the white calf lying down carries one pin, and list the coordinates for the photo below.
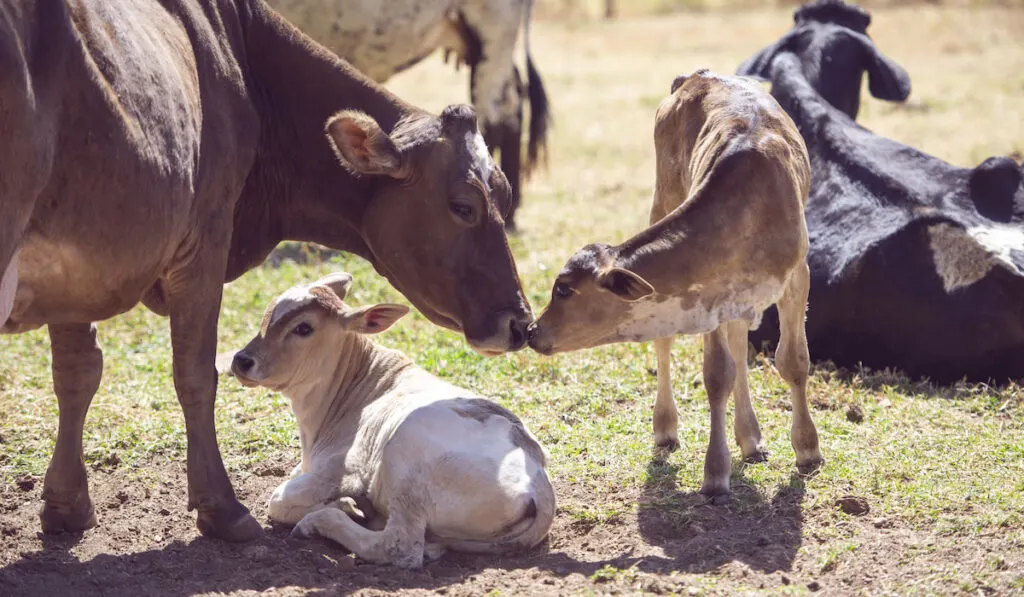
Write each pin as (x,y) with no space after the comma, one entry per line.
(446,469)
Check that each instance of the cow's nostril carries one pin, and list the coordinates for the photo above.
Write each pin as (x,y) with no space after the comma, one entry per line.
(243,362)
(517,334)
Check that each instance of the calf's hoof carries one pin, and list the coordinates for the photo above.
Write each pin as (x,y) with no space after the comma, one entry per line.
(231,523)
(810,467)
(716,492)
(664,447)
(59,518)
(757,457)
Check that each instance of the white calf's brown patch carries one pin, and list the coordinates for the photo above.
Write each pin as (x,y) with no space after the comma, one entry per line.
(963,257)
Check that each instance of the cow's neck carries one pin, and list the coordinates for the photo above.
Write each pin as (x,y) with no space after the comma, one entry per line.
(297,190)
(363,372)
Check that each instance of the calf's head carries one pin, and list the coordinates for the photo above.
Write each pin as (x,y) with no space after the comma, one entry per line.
(591,300)
(302,332)
(830,39)
(435,221)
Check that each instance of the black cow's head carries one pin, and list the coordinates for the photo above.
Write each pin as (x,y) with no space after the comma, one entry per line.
(830,39)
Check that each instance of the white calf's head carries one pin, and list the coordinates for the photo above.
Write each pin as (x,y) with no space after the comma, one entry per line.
(303,331)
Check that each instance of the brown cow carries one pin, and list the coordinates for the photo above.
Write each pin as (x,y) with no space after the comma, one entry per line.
(727,239)
(155,149)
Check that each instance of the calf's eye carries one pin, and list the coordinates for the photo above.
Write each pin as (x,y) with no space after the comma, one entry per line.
(563,290)
(303,330)
(462,210)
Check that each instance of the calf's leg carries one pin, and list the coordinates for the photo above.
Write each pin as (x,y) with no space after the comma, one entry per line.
(793,363)
(77,369)
(401,543)
(301,495)
(719,379)
(666,417)
(748,432)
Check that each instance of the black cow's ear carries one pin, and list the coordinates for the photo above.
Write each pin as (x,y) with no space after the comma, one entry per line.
(993,186)
(626,285)
(759,65)
(886,79)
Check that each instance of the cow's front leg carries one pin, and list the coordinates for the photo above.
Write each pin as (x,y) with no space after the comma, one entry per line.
(745,427)
(719,378)
(77,369)
(401,543)
(666,417)
(194,295)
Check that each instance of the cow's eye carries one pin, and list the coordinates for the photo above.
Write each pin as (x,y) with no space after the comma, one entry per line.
(462,210)
(563,290)
(303,330)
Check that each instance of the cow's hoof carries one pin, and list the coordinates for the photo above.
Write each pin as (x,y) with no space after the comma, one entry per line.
(810,467)
(67,519)
(756,457)
(232,523)
(304,530)
(664,447)
(717,498)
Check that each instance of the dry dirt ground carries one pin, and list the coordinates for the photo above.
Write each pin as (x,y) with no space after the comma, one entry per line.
(147,545)
(605,79)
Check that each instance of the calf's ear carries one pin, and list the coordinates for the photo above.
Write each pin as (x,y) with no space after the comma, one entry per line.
(362,146)
(886,79)
(339,283)
(374,319)
(624,284)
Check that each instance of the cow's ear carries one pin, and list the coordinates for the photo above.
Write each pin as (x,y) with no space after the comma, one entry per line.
(362,146)
(993,186)
(759,65)
(886,79)
(373,318)
(339,283)
(626,285)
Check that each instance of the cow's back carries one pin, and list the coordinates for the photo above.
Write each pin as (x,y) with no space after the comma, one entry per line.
(141,134)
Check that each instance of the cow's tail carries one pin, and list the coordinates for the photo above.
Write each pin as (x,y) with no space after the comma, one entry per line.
(540,115)
(530,530)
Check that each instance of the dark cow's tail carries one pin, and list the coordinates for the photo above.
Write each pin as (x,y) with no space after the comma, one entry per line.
(540,115)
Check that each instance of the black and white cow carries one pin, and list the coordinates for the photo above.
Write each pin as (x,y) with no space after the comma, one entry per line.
(915,263)
(382,39)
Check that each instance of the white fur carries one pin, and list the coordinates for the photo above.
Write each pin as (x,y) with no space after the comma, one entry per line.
(651,318)
(964,257)
(291,300)
(484,156)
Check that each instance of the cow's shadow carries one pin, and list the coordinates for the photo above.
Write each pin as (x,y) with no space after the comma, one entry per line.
(764,534)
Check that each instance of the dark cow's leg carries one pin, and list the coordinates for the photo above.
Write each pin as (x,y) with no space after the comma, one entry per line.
(194,296)
(793,362)
(719,380)
(504,139)
(77,369)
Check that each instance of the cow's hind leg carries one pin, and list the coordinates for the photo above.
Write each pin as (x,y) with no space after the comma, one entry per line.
(401,543)
(77,369)
(666,417)
(194,294)
(719,379)
(793,363)
(748,432)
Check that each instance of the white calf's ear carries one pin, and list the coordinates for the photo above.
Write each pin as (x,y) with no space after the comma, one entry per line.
(374,318)
(339,283)
(362,146)
(627,285)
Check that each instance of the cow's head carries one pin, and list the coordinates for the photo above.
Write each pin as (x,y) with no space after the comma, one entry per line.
(830,39)
(303,332)
(435,221)
(591,300)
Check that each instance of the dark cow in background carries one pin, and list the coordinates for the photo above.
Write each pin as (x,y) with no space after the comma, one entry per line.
(382,39)
(154,149)
(915,263)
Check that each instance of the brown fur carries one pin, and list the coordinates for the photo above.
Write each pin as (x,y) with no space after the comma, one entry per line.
(155,149)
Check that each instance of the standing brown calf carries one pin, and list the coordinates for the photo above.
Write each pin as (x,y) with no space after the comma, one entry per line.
(727,239)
